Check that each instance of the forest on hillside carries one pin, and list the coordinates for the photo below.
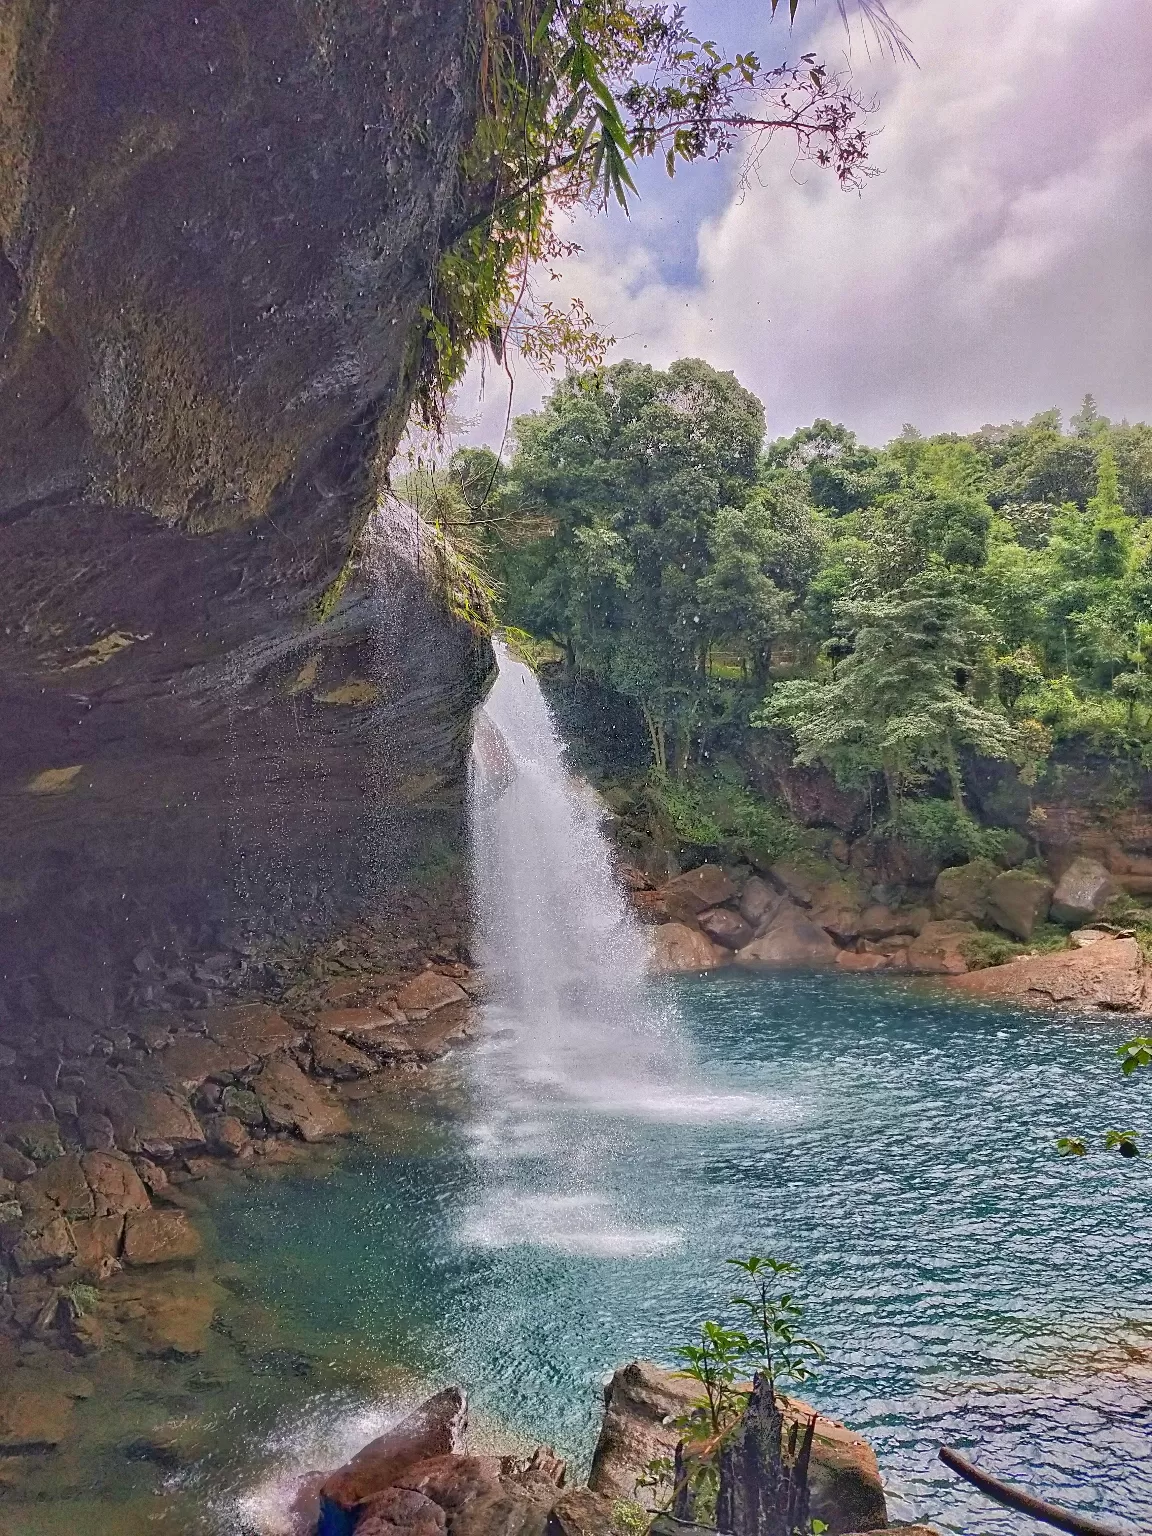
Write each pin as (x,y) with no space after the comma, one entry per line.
(893,614)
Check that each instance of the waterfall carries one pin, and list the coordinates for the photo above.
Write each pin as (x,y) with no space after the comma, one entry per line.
(577,1046)
(561,951)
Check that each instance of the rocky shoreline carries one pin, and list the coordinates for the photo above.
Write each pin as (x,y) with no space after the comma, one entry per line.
(419,1479)
(806,914)
(109,1139)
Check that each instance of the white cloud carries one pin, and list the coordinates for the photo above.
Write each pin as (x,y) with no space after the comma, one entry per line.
(999,265)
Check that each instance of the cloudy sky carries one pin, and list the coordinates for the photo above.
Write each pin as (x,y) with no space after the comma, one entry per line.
(999,265)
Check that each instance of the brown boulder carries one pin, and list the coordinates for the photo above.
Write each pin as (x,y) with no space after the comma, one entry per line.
(98,1245)
(938,949)
(726,928)
(59,1189)
(486,1496)
(428,992)
(758,901)
(14,1165)
(33,1419)
(352,1023)
(292,1103)
(961,893)
(580,1512)
(879,922)
(1082,892)
(676,947)
(790,939)
(153,1120)
(226,1133)
(803,882)
(159,1237)
(642,1400)
(116,1186)
(852,960)
(43,1244)
(1017,901)
(337,1058)
(837,911)
(435,1429)
(700,888)
(1109,974)
(402,1512)
(191,1060)
(251,1027)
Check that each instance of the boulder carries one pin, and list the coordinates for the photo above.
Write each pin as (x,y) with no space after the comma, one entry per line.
(488,1496)
(837,911)
(14,1165)
(1082,937)
(33,1420)
(116,1186)
(803,882)
(292,1103)
(402,1512)
(191,1060)
(252,1028)
(428,992)
(726,928)
(676,947)
(59,1189)
(758,901)
(98,1245)
(880,922)
(43,1244)
(1082,892)
(1017,901)
(853,960)
(226,1133)
(642,1400)
(580,1512)
(961,893)
(790,939)
(338,1058)
(352,1023)
(697,889)
(1108,974)
(435,1429)
(151,1119)
(159,1237)
(938,948)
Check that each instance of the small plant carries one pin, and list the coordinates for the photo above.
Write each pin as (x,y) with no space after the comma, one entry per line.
(630,1518)
(1135,1053)
(1071,1146)
(1124,1142)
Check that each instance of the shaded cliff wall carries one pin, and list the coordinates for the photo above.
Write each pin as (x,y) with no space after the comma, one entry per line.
(218,222)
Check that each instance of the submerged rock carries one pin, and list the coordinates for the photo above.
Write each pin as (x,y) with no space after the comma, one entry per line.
(33,1420)
(159,1237)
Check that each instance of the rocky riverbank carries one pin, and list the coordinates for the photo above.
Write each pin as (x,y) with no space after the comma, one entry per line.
(419,1479)
(109,1137)
(971,927)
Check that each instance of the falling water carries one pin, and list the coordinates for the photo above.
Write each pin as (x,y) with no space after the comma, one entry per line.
(576,1047)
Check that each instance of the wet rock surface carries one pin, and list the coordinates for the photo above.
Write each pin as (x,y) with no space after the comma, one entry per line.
(1110,974)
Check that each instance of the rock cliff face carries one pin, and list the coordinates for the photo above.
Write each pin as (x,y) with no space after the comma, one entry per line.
(217,228)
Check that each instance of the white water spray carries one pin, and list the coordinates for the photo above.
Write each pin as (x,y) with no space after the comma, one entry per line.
(575,1043)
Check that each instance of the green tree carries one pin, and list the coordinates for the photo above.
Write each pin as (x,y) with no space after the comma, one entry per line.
(900,703)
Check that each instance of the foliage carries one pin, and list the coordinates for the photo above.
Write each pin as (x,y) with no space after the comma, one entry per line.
(948,833)
(897,614)
(705,810)
(1125,1142)
(1135,1053)
(1071,1146)
(764,1339)
(572,93)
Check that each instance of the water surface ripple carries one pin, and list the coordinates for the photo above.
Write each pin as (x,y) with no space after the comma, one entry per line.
(971,1287)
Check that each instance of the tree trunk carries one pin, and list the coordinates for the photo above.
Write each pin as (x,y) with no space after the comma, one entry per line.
(764,1472)
(954,778)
